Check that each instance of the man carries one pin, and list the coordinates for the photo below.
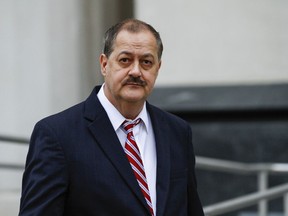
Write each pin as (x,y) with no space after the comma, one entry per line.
(114,154)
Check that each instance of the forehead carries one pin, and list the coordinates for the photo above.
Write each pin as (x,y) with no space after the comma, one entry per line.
(139,40)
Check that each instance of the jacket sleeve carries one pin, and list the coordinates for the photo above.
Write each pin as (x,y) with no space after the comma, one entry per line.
(45,180)
(194,204)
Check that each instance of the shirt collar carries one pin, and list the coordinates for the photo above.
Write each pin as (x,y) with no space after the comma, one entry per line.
(115,116)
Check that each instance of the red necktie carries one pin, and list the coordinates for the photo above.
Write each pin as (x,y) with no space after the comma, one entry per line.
(134,157)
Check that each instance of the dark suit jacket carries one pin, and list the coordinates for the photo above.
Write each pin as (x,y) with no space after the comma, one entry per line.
(76,166)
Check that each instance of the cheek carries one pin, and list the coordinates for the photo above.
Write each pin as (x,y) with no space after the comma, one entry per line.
(115,81)
(115,76)
(150,78)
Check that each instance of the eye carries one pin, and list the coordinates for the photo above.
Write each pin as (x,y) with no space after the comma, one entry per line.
(147,62)
(124,60)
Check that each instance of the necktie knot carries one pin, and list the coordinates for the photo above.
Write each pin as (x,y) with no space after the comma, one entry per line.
(128,125)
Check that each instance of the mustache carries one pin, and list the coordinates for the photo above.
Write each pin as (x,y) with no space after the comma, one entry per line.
(135,80)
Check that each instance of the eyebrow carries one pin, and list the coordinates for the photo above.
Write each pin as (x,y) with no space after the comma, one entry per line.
(124,53)
(130,53)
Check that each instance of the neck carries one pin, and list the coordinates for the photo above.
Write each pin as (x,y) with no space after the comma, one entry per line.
(129,110)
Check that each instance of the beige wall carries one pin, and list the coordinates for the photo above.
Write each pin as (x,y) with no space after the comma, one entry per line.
(39,60)
(220,42)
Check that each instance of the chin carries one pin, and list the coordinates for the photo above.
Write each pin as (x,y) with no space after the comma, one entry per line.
(134,99)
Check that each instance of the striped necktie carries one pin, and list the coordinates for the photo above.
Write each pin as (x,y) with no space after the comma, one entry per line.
(134,157)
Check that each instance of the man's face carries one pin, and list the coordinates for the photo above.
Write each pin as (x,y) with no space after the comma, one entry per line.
(132,68)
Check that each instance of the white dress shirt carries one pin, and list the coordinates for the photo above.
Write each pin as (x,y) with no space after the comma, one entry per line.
(144,136)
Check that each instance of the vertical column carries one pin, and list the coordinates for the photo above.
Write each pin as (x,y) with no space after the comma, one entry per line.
(262,186)
(285,204)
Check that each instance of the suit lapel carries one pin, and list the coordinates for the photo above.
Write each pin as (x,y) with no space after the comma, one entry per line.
(104,133)
(163,159)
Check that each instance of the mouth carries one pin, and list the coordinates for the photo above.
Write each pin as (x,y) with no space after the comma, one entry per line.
(134,84)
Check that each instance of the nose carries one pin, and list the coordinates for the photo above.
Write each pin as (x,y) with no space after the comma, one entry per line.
(135,70)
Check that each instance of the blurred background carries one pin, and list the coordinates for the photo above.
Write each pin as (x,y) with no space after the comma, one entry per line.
(224,69)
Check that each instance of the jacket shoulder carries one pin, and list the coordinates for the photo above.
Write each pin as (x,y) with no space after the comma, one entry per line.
(75,112)
(165,116)
(68,114)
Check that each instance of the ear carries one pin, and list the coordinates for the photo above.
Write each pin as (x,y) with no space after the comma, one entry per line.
(159,64)
(103,63)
